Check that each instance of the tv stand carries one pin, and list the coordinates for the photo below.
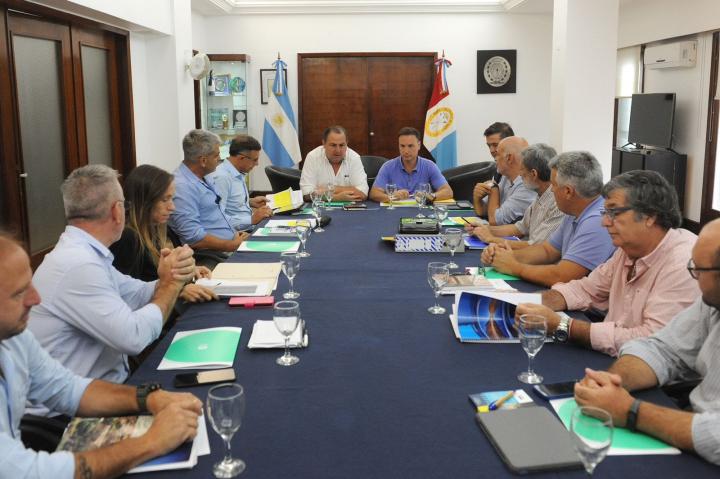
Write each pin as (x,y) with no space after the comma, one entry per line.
(670,164)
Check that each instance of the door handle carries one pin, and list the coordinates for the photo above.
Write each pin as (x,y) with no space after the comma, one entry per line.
(372,133)
(23,175)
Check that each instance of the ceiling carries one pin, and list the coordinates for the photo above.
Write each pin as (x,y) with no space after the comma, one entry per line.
(300,7)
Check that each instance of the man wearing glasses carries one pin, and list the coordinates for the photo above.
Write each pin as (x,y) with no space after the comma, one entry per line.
(688,345)
(645,282)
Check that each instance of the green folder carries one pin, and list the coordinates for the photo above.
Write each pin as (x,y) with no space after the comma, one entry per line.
(201,349)
(622,438)
(492,273)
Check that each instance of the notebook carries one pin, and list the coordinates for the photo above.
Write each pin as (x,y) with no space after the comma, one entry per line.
(530,439)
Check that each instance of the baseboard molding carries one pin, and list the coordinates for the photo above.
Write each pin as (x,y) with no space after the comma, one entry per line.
(691,225)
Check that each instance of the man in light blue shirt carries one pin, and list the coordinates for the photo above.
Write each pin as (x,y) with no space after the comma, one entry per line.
(29,374)
(505,202)
(230,184)
(580,244)
(409,170)
(198,219)
(92,316)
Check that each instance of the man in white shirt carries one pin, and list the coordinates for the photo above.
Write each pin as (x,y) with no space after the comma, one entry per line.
(333,162)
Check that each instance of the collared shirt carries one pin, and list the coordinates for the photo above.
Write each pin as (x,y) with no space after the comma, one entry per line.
(197,209)
(29,374)
(317,171)
(690,344)
(425,171)
(541,218)
(583,240)
(234,198)
(515,198)
(91,315)
(660,289)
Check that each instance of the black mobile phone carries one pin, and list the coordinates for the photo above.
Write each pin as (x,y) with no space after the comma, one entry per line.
(555,390)
(204,377)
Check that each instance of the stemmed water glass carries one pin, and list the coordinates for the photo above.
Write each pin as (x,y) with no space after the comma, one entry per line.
(532,331)
(441,212)
(317,203)
(438,275)
(225,408)
(286,316)
(390,190)
(420,195)
(591,430)
(453,238)
(302,231)
(290,266)
(329,191)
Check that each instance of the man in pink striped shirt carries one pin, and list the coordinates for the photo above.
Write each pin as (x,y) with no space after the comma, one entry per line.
(644,284)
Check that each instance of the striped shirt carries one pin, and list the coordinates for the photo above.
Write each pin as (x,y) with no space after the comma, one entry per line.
(690,343)
(541,218)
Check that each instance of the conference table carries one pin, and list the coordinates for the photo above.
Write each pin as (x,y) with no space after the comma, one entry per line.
(382,389)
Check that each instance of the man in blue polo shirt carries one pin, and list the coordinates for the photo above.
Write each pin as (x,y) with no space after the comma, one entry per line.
(409,170)
(580,244)
(198,219)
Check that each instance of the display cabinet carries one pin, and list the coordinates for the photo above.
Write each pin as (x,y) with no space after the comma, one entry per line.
(221,104)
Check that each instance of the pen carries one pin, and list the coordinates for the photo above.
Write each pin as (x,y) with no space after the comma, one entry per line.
(465,220)
(498,403)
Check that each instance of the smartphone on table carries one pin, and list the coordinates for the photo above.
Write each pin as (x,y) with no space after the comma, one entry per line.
(187,380)
(555,390)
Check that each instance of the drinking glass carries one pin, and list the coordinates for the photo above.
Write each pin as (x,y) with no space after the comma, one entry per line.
(330,191)
(290,266)
(420,196)
(302,231)
(390,190)
(453,238)
(437,275)
(225,408)
(317,203)
(532,331)
(441,212)
(428,191)
(591,430)
(286,316)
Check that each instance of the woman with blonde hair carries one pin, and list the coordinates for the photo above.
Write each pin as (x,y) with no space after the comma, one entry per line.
(149,191)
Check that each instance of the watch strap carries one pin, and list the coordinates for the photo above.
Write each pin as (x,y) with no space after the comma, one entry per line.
(142,393)
(632,416)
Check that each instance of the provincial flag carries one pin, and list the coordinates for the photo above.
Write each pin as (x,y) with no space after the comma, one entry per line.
(280,138)
(440,136)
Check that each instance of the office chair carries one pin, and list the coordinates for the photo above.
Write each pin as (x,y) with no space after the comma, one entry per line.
(372,165)
(462,179)
(283,178)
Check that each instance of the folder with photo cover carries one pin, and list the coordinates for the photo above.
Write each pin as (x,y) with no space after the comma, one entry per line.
(530,439)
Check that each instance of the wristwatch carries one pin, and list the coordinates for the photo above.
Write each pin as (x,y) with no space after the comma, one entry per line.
(631,422)
(562,332)
(142,393)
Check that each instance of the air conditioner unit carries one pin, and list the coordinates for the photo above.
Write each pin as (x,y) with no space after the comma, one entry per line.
(671,55)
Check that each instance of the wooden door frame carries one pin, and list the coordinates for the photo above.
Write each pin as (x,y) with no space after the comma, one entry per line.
(302,56)
(707,213)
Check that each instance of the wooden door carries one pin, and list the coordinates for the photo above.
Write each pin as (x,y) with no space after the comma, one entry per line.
(65,101)
(371,95)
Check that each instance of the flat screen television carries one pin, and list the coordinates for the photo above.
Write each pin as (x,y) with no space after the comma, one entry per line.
(651,119)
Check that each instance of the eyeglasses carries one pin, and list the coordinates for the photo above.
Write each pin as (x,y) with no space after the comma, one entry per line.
(611,213)
(694,271)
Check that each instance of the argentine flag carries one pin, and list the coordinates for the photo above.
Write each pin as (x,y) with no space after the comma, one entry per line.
(440,137)
(280,138)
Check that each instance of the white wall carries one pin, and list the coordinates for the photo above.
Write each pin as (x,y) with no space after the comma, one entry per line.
(644,21)
(691,86)
(262,36)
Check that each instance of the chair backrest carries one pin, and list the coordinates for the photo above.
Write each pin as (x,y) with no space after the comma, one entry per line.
(372,165)
(462,179)
(282,178)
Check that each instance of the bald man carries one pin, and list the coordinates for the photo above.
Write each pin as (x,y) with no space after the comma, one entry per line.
(29,374)
(505,202)
(688,344)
